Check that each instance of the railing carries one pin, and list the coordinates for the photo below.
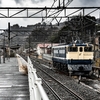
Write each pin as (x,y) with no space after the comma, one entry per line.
(36,90)
(35,84)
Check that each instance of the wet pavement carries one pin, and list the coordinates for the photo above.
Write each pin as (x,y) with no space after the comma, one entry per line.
(13,84)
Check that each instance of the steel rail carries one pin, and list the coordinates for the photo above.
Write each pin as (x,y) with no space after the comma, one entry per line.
(54,93)
(65,87)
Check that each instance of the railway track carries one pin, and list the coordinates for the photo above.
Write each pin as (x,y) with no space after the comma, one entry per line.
(84,91)
(58,89)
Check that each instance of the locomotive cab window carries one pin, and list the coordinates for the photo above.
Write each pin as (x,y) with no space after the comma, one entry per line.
(55,52)
(72,49)
(80,49)
(62,52)
(88,49)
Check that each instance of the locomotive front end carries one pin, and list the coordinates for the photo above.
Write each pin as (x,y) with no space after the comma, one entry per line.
(80,59)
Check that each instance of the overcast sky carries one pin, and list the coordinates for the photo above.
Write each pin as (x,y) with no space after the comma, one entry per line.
(37,3)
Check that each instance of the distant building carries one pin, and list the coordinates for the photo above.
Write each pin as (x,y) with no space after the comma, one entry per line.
(45,48)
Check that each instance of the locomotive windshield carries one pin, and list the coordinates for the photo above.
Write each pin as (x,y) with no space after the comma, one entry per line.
(88,49)
(72,49)
(80,49)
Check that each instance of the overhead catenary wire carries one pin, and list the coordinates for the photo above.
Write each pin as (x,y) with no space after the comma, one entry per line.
(58,12)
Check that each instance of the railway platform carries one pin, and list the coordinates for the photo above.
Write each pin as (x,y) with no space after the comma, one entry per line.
(19,81)
(13,84)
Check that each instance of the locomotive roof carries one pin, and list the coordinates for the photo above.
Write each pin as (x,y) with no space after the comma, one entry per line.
(82,44)
(77,44)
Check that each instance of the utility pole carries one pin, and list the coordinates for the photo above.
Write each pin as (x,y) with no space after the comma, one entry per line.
(9,40)
(29,44)
(4,49)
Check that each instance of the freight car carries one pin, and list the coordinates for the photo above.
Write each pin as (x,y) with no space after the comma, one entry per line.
(75,58)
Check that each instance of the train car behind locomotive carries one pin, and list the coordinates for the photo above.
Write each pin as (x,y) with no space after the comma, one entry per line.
(75,58)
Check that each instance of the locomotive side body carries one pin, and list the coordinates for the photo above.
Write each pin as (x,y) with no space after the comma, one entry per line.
(75,58)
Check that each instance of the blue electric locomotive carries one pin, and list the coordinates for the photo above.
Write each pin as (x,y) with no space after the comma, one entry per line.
(75,58)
